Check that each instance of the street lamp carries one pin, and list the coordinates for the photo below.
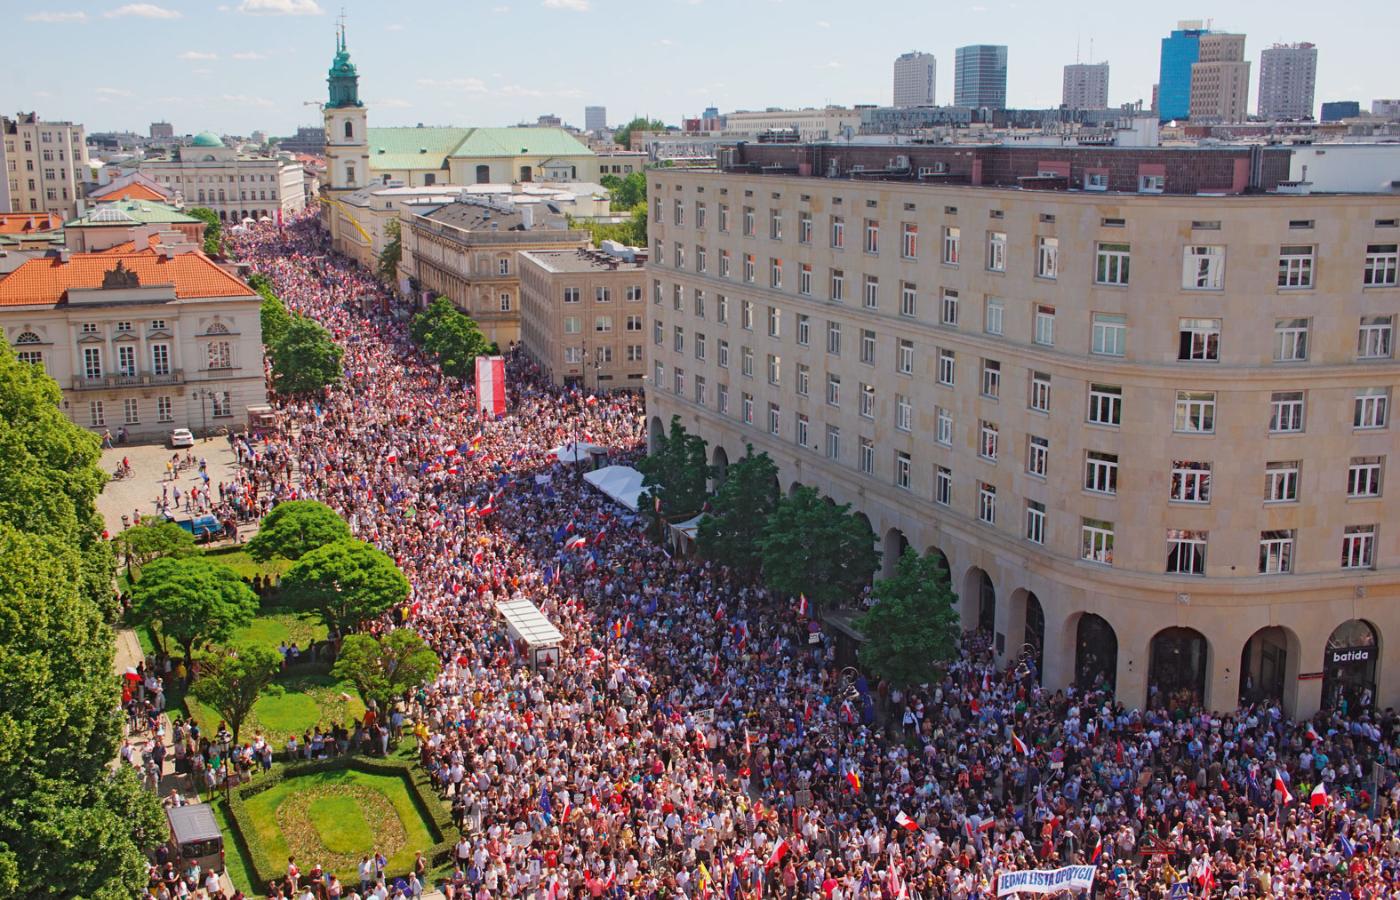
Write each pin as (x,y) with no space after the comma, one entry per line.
(847,693)
(201,395)
(225,743)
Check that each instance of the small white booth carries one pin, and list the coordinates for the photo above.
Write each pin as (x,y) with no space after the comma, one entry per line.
(623,484)
(529,626)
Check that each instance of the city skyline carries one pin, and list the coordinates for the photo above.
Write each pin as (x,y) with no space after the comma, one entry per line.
(251,64)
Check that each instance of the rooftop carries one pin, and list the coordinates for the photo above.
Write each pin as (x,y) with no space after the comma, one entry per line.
(29,223)
(586,259)
(429,148)
(47,281)
(132,212)
(494,217)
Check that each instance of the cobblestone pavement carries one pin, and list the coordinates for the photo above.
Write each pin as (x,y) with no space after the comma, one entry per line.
(138,494)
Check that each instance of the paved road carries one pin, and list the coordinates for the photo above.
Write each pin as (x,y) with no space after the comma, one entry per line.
(138,494)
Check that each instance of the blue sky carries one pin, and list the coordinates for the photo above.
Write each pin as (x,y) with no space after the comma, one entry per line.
(242,65)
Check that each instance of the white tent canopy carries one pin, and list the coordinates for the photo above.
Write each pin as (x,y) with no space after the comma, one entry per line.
(621,483)
(576,452)
(526,623)
(690,527)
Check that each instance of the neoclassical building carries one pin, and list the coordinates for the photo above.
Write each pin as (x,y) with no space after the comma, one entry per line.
(235,185)
(1140,400)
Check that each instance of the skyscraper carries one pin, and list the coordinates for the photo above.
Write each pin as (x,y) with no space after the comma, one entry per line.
(914,78)
(1180,50)
(595,118)
(1086,86)
(1220,79)
(1287,78)
(979,78)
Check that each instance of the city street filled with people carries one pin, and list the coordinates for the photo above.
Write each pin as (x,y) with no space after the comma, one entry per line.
(692,741)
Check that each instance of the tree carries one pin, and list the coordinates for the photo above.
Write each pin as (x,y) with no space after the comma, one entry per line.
(392,254)
(813,547)
(345,582)
(213,229)
(231,680)
(275,319)
(452,336)
(623,135)
(676,472)
(913,629)
(628,192)
(295,528)
(152,539)
(740,509)
(193,600)
(305,360)
(382,669)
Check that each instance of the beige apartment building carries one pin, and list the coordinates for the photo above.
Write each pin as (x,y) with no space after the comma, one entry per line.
(1150,431)
(44,165)
(581,315)
(235,185)
(1220,79)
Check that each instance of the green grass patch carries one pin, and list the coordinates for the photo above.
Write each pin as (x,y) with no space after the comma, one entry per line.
(237,558)
(304,702)
(338,822)
(240,869)
(277,624)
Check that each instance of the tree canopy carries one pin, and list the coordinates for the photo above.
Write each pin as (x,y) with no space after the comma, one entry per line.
(632,232)
(739,511)
(912,631)
(305,359)
(627,191)
(193,600)
(383,668)
(676,471)
(452,336)
(295,528)
(623,135)
(274,318)
(812,547)
(152,539)
(213,229)
(346,582)
(392,254)
(232,678)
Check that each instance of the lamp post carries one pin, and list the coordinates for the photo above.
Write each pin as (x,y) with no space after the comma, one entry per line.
(225,743)
(201,394)
(847,693)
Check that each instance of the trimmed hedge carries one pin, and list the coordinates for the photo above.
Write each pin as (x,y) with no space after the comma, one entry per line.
(264,868)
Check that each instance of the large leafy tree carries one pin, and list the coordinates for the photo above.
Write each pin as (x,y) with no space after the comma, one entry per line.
(231,680)
(151,540)
(450,335)
(213,229)
(193,601)
(623,135)
(275,319)
(305,359)
(295,528)
(912,631)
(345,582)
(676,472)
(813,547)
(392,254)
(740,509)
(627,192)
(383,668)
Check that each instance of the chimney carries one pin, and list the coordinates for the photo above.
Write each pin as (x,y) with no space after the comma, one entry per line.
(527,215)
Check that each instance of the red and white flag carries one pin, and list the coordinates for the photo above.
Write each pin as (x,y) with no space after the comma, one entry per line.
(1019,745)
(803,607)
(903,821)
(1319,797)
(1098,850)
(1312,733)
(1281,787)
(778,853)
(491,385)
(853,779)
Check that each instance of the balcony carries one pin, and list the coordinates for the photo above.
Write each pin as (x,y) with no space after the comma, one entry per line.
(123,380)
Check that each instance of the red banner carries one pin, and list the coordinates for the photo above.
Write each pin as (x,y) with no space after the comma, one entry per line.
(491,384)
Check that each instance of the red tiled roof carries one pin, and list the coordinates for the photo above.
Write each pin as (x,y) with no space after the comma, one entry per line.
(125,246)
(48,280)
(133,191)
(29,223)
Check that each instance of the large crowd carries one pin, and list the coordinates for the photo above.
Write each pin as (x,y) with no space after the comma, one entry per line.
(691,741)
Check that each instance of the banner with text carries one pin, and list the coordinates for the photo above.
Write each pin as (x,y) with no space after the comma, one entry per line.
(1045,881)
(491,384)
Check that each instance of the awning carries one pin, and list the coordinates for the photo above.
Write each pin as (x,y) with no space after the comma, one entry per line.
(621,483)
(526,623)
(192,824)
(689,528)
(576,452)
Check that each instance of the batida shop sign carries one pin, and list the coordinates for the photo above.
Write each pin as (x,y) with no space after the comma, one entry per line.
(1350,656)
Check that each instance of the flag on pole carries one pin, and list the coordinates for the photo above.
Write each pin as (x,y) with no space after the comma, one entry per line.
(1319,797)
(490,385)
(853,778)
(903,821)
(1019,745)
(1346,846)
(802,605)
(1312,733)
(1098,850)
(1281,787)
(778,853)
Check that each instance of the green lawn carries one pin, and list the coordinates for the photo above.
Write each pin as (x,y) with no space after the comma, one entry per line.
(237,559)
(239,869)
(304,701)
(276,624)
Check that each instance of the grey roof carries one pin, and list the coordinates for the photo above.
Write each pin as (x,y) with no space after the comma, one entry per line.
(584,260)
(194,823)
(474,217)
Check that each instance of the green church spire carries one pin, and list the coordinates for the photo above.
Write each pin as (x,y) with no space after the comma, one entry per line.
(343,80)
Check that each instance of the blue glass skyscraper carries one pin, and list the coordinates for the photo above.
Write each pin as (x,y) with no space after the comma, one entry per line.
(1180,50)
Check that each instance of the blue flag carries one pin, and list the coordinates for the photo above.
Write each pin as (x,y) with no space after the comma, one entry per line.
(545,806)
(1346,846)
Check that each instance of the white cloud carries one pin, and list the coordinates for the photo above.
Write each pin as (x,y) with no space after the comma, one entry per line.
(822,23)
(471,85)
(830,65)
(144,11)
(280,8)
(665,42)
(246,55)
(570,5)
(113,92)
(57,18)
(245,100)
(500,9)
(198,54)
(395,27)
(517,90)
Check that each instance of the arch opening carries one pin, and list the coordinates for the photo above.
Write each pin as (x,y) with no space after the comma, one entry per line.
(1263,666)
(1176,670)
(1095,654)
(1350,661)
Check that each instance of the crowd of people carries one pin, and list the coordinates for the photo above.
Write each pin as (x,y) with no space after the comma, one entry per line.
(692,741)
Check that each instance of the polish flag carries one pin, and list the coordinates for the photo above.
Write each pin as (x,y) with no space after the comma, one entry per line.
(853,778)
(807,710)
(575,542)
(1282,787)
(847,713)
(1207,879)
(803,607)
(719,612)
(393,456)
(489,507)
(592,400)
(1019,745)
(1098,850)
(1319,797)
(903,821)
(478,556)
(778,853)
(449,450)
(715,672)
(1312,733)
(723,700)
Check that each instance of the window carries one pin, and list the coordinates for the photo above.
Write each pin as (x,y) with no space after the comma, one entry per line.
(1373,340)
(990,441)
(724,264)
(1358,546)
(991,378)
(904,363)
(947,368)
(164,410)
(804,228)
(1040,392)
(1047,258)
(867,346)
(992,321)
(1045,324)
(838,232)
(1095,181)
(1281,482)
(700,346)
(903,413)
(775,273)
(722,397)
(948,308)
(804,329)
(804,379)
(603,325)
(658,332)
(701,259)
(775,419)
(871,294)
(1295,267)
(943,430)
(1151,184)
(996,251)
(838,285)
(746,361)
(219,355)
(986,503)
(1290,340)
(92,362)
(573,355)
(1198,340)
(1276,552)
(775,224)
(1096,541)
(571,295)
(656,290)
(1101,472)
(503,265)
(123,327)
(700,389)
(1110,334)
(952,244)
(1038,456)
(1364,476)
(902,465)
(1382,261)
(749,267)
(803,426)
(131,411)
(1203,268)
(1370,408)
(1195,412)
(96,417)
(943,486)
(1286,411)
(833,442)
(804,279)
(1035,522)
(1106,404)
(724,217)
(634,353)
(909,248)
(1111,265)
(677,296)
(867,401)
(699,214)
(775,322)
(680,255)
(721,308)
(872,236)
(698,299)
(748,221)
(126,359)
(679,341)
(505,301)
(867,456)
(746,315)
(748,409)
(833,389)
(775,369)
(679,375)
(1190,482)
(572,324)
(833,338)
(1186,552)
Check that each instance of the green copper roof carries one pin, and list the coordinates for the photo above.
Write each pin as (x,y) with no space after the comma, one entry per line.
(138,212)
(412,148)
(207,139)
(520,142)
(343,81)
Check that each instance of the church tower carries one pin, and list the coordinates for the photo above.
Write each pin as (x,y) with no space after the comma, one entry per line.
(347,140)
